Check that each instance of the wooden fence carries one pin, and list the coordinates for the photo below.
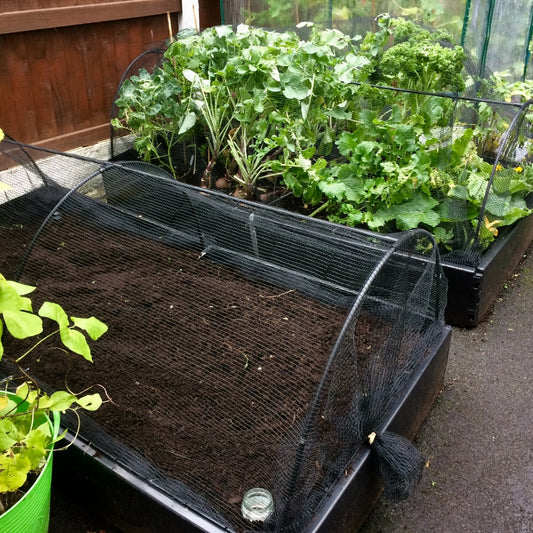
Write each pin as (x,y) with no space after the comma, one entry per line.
(61,62)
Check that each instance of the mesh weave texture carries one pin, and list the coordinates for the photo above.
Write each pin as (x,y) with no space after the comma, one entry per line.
(248,346)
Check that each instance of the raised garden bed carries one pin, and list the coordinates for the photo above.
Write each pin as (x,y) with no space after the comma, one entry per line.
(248,347)
(126,500)
(472,290)
(403,135)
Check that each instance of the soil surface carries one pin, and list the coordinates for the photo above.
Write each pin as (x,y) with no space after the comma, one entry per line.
(478,436)
(209,373)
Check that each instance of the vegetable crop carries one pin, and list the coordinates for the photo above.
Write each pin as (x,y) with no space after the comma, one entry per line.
(365,131)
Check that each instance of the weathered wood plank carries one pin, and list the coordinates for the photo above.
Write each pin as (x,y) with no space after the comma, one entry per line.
(56,17)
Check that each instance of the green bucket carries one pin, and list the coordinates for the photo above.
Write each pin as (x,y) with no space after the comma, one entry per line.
(31,514)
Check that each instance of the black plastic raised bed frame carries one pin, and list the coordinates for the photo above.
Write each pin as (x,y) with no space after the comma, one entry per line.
(472,290)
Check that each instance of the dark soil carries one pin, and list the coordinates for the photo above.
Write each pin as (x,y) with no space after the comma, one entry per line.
(210,374)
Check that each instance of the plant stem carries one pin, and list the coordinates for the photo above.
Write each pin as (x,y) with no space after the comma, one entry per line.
(319,209)
(36,344)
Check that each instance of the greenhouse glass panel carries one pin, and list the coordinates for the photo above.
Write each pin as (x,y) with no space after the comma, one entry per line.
(351,16)
(487,34)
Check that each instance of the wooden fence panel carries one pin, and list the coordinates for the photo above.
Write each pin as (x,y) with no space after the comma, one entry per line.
(58,76)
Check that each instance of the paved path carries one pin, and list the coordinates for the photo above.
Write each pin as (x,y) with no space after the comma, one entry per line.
(479,435)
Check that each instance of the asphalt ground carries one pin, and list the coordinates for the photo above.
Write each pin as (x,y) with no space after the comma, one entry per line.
(478,438)
(479,435)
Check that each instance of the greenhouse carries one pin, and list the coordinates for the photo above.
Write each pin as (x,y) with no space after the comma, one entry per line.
(300,233)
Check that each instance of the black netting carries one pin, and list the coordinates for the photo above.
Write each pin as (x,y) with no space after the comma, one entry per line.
(248,346)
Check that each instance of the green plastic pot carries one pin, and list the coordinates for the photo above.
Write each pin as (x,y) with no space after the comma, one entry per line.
(31,514)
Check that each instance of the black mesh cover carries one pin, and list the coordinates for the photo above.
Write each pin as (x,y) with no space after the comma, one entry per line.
(248,346)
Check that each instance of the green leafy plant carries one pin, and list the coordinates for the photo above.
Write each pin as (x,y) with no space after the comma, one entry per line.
(241,88)
(26,435)
(364,131)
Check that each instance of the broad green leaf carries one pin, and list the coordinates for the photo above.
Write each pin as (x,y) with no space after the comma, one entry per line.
(410,214)
(90,402)
(355,188)
(412,219)
(352,217)
(477,185)
(442,235)
(296,92)
(44,426)
(223,31)
(296,85)
(312,194)
(26,392)
(338,113)
(500,205)
(94,327)
(459,191)
(188,122)
(417,211)
(10,300)
(37,444)
(191,76)
(8,407)
(26,304)
(13,472)
(346,70)
(452,210)
(518,186)
(75,340)
(60,401)
(291,181)
(54,312)
(8,434)
(21,288)
(333,189)
(22,324)
(377,220)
